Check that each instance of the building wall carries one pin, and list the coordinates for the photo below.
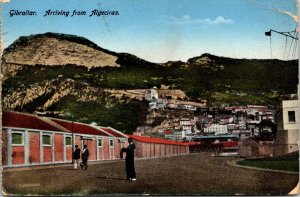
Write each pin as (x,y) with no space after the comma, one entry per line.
(293,139)
(100,150)
(117,146)
(78,142)
(185,149)
(105,152)
(163,150)
(171,149)
(290,105)
(248,148)
(34,147)
(31,151)
(59,147)
(100,153)
(286,142)
(18,155)
(217,129)
(265,150)
(106,148)
(69,153)
(111,149)
(4,147)
(174,149)
(279,119)
(287,137)
(245,151)
(147,150)
(157,150)
(93,149)
(140,149)
(168,152)
(152,150)
(47,153)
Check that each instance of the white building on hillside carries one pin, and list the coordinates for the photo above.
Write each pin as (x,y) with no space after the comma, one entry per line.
(216,129)
(187,121)
(151,94)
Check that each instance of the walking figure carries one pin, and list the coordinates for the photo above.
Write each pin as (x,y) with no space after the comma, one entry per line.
(85,156)
(130,170)
(76,156)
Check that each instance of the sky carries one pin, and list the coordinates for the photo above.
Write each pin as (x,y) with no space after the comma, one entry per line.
(164,30)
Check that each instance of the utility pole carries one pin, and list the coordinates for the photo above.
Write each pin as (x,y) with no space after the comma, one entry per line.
(288,34)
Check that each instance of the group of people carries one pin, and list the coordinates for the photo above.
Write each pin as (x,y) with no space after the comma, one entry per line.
(129,159)
(84,156)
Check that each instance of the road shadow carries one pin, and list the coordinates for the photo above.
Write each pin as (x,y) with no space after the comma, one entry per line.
(71,169)
(112,178)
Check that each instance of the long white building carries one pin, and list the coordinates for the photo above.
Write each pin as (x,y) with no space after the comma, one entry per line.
(216,129)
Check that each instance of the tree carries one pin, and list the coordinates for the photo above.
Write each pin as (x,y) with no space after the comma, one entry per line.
(265,134)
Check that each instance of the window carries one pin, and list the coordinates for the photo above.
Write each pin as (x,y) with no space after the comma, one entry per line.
(46,140)
(292,117)
(111,142)
(99,142)
(68,141)
(17,138)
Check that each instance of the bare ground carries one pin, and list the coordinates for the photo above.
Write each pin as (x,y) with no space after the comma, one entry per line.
(194,174)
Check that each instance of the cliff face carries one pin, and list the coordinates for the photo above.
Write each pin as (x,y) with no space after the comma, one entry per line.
(49,92)
(48,51)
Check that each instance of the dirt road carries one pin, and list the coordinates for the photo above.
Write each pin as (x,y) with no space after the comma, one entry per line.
(194,174)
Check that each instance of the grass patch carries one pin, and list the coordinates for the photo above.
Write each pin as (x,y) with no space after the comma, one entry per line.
(288,163)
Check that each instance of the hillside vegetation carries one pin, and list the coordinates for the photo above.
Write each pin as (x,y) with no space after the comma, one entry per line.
(32,60)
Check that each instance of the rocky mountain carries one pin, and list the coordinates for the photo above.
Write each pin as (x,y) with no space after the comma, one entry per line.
(49,92)
(51,49)
(70,76)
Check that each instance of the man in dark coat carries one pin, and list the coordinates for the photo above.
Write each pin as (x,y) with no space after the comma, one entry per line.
(76,156)
(85,156)
(130,170)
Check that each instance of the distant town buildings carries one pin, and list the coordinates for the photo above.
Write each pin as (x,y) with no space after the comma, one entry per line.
(188,121)
(243,121)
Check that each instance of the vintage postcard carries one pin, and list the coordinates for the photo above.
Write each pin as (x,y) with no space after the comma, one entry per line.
(140,97)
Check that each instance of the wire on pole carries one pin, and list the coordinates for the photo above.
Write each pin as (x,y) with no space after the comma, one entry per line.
(271,47)
(290,34)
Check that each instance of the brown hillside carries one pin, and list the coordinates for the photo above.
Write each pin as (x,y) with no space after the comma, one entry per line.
(49,50)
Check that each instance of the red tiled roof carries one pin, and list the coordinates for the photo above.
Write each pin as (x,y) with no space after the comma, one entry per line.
(191,143)
(28,121)
(112,132)
(155,140)
(230,144)
(82,128)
